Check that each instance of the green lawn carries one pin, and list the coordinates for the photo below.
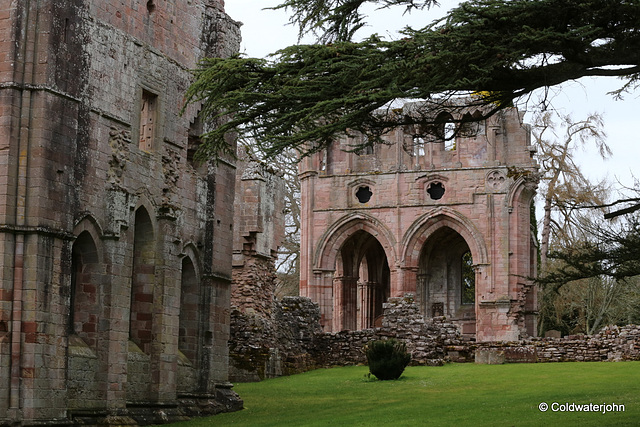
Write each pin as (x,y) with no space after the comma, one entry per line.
(453,395)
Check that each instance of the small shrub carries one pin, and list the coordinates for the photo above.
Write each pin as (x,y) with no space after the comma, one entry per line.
(387,359)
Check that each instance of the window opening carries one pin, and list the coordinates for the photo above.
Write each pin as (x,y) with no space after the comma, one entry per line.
(449,136)
(480,123)
(468,279)
(147,120)
(364,194)
(366,150)
(445,130)
(151,6)
(418,146)
(194,141)
(436,190)
(472,125)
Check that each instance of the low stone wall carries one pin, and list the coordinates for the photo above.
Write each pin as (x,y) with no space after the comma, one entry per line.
(613,343)
(291,341)
(429,341)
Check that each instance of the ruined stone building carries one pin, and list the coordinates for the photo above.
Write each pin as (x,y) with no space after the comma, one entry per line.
(258,232)
(446,217)
(115,243)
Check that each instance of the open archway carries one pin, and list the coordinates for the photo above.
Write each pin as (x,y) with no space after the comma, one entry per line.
(446,279)
(361,283)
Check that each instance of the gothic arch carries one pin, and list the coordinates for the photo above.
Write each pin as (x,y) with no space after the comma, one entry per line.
(86,281)
(145,202)
(429,223)
(190,250)
(88,223)
(85,289)
(189,329)
(329,245)
(521,187)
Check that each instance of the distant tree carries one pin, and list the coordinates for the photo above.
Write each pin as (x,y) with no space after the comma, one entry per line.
(305,96)
(564,187)
(593,277)
(607,250)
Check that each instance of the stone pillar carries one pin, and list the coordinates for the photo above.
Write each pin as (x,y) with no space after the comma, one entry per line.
(166,314)
(113,341)
(365,302)
(338,304)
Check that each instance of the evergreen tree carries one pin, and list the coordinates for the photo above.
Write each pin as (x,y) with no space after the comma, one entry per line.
(304,96)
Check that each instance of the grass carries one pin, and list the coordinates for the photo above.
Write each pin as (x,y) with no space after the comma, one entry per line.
(453,395)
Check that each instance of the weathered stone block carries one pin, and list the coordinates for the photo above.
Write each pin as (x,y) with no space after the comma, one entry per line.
(490,356)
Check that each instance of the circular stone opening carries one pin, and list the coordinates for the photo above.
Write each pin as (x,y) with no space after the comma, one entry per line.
(364,194)
(436,190)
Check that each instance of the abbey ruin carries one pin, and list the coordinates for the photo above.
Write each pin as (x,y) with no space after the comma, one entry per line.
(426,238)
(115,242)
(136,281)
(442,215)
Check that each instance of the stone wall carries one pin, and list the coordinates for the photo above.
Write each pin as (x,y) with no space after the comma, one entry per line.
(402,216)
(115,244)
(612,343)
(428,341)
(283,344)
(258,232)
(292,341)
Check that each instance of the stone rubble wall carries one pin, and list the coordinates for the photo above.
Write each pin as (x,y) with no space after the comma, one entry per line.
(612,343)
(283,344)
(253,286)
(292,342)
(427,340)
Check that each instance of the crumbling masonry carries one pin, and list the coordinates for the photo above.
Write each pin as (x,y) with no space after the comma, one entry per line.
(441,215)
(445,221)
(115,244)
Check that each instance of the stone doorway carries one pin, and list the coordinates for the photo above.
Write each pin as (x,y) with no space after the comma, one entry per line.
(446,279)
(361,283)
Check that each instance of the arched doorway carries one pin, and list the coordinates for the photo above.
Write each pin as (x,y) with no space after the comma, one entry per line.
(446,279)
(361,283)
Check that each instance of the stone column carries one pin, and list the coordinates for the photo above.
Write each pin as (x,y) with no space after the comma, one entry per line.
(338,301)
(365,302)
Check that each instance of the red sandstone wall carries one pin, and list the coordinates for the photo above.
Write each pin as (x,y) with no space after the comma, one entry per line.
(73,80)
(483,202)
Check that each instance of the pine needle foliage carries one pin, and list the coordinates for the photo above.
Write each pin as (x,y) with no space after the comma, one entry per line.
(305,96)
(387,358)
(611,252)
(338,20)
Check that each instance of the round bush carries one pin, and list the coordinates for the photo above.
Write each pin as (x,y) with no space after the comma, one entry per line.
(387,359)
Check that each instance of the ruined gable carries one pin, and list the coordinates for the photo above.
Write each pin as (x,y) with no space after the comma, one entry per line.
(438,214)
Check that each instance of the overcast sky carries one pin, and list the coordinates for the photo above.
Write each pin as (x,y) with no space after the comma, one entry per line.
(265,31)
